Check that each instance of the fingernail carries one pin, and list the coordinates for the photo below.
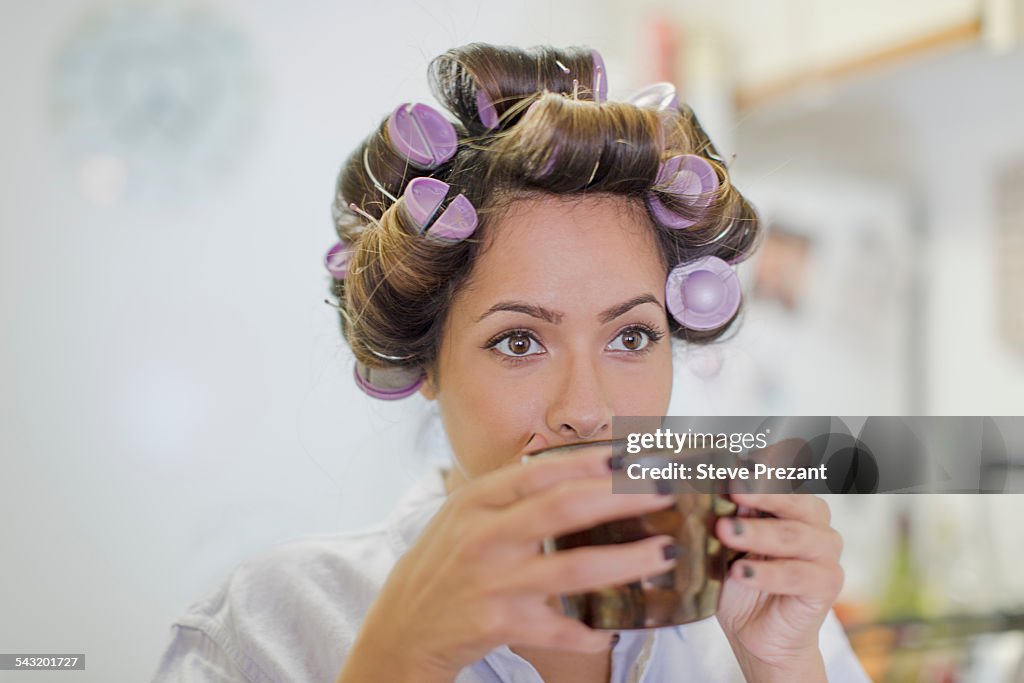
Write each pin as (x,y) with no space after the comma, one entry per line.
(663,486)
(671,551)
(737,527)
(615,639)
(748,571)
(617,462)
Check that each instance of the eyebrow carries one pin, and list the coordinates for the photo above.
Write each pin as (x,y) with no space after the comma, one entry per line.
(555,317)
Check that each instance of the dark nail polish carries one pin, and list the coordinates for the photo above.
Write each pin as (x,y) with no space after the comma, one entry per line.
(748,571)
(737,527)
(617,462)
(671,551)
(615,639)
(663,486)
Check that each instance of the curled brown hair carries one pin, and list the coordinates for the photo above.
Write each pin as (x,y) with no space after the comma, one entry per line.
(552,138)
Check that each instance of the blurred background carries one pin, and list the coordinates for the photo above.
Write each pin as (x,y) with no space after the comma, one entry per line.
(176,396)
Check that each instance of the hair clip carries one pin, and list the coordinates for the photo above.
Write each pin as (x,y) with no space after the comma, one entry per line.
(661,96)
(337,259)
(687,175)
(422,135)
(388,383)
(702,294)
(423,197)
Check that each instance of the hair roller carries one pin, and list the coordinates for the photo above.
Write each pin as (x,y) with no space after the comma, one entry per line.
(422,201)
(702,294)
(660,96)
(413,140)
(337,259)
(421,135)
(599,81)
(693,180)
(483,84)
(388,384)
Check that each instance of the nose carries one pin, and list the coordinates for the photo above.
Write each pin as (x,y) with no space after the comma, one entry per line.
(580,408)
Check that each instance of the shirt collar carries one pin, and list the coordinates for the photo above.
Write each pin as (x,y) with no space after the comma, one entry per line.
(415,508)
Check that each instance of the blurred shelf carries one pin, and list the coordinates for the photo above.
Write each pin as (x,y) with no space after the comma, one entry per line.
(831,75)
(931,632)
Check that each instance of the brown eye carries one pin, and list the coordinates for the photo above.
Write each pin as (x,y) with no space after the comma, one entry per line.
(517,344)
(634,339)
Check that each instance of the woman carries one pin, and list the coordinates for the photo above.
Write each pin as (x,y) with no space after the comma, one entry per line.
(521,268)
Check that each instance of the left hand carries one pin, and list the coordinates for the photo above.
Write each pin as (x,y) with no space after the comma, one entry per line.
(772,617)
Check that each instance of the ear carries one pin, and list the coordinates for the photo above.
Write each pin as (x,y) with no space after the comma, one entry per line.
(427,389)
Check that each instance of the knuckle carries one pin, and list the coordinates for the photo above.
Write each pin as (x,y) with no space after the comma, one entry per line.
(788,535)
(470,546)
(481,584)
(533,477)
(575,571)
(488,623)
(560,508)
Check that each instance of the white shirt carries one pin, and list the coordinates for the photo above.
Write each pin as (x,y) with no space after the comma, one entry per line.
(293,614)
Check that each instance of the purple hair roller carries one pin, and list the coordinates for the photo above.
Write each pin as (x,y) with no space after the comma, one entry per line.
(422,135)
(661,96)
(455,223)
(388,384)
(600,86)
(337,260)
(687,175)
(423,197)
(485,110)
(703,294)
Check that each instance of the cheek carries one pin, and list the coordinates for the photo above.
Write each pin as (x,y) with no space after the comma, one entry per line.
(646,391)
(489,418)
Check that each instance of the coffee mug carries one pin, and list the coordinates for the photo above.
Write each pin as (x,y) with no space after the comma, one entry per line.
(689,591)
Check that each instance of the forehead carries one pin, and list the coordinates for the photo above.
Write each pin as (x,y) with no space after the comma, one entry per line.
(568,243)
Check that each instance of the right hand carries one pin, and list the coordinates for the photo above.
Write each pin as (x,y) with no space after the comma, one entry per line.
(476,577)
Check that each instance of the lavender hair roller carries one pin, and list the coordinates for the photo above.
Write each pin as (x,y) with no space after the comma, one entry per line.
(485,110)
(337,260)
(660,96)
(423,198)
(388,384)
(600,87)
(422,135)
(687,175)
(703,294)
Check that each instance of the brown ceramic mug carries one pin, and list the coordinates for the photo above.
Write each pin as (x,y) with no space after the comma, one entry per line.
(688,592)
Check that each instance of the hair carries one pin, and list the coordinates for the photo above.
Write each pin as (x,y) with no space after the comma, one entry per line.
(552,138)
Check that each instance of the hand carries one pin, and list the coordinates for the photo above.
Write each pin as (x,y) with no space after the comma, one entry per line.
(772,617)
(476,577)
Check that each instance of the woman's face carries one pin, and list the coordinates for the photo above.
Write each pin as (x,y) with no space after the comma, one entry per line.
(562,327)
